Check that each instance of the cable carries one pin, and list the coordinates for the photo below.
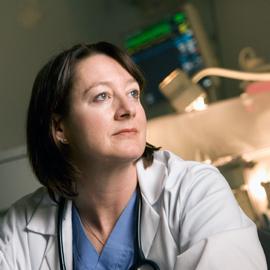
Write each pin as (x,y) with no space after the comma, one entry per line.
(238,75)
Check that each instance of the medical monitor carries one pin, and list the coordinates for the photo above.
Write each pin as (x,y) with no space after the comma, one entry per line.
(175,41)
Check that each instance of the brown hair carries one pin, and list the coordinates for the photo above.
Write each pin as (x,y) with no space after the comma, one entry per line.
(51,95)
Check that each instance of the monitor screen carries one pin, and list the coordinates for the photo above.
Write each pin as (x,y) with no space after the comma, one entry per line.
(162,47)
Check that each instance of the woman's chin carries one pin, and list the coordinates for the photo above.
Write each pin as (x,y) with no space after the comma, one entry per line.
(129,154)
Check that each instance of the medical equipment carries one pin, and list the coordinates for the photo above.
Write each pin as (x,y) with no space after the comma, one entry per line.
(140,260)
(176,40)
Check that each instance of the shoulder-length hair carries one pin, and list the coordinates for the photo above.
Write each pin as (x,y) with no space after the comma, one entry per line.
(51,163)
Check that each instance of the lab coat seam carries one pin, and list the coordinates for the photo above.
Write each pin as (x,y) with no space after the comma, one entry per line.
(181,202)
(185,199)
(197,180)
(182,214)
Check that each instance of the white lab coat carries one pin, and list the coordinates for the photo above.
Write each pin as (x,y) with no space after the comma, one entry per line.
(190,220)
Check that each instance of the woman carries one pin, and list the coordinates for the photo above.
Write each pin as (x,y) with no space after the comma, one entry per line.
(86,134)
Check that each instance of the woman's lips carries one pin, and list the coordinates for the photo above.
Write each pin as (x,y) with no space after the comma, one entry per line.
(126,132)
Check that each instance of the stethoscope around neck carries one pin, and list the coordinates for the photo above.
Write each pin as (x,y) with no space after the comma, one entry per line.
(140,258)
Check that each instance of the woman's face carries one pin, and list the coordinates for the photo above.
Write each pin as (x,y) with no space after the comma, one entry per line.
(106,121)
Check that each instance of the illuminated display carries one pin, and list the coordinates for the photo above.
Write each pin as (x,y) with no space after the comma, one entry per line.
(163,47)
(154,32)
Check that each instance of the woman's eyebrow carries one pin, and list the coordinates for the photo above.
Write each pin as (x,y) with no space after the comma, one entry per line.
(130,81)
(94,85)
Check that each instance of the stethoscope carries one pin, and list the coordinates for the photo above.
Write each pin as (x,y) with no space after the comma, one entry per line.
(140,260)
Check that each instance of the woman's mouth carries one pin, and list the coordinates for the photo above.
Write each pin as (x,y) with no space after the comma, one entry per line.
(126,132)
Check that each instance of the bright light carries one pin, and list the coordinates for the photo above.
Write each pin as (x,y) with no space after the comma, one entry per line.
(199,104)
(255,185)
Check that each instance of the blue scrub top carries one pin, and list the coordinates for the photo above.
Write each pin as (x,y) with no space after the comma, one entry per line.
(119,251)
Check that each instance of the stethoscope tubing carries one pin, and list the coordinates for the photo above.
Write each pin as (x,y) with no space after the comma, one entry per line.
(140,258)
(60,235)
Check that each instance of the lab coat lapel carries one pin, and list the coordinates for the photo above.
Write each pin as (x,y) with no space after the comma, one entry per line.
(41,229)
(149,226)
(43,226)
(151,181)
(44,218)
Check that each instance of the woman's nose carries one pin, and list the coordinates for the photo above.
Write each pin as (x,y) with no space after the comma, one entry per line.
(124,108)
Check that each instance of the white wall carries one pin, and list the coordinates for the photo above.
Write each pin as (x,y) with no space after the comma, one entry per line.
(25,47)
(16,176)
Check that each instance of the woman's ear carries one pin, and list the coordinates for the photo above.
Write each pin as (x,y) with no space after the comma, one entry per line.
(58,130)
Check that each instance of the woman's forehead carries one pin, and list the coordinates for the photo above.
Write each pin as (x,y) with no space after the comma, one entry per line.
(100,68)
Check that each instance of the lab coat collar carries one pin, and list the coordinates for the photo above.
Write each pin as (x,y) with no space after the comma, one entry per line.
(46,210)
(152,180)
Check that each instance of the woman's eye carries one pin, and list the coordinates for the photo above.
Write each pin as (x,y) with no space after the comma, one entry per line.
(102,96)
(134,93)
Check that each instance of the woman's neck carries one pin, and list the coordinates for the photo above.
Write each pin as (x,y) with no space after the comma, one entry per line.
(102,197)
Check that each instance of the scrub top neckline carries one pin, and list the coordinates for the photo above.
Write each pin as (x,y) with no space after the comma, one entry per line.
(119,250)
